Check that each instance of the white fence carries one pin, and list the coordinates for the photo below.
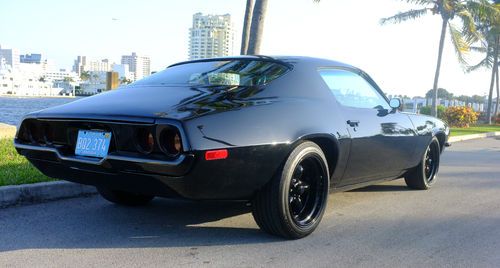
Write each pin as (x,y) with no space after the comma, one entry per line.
(414,105)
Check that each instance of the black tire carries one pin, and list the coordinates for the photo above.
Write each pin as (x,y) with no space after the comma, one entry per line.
(423,176)
(292,204)
(124,198)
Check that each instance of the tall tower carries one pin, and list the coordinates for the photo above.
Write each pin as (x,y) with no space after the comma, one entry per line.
(139,65)
(11,57)
(211,36)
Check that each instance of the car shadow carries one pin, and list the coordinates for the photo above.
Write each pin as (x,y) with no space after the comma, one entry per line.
(94,223)
(383,188)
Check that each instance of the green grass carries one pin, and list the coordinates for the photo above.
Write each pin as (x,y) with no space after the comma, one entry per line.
(474,130)
(15,169)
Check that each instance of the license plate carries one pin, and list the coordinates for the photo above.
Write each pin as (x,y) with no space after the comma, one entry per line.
(93,143)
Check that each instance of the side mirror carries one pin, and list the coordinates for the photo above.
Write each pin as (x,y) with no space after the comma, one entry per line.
(395,103)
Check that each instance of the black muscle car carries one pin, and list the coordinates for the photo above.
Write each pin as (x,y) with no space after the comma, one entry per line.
(277,131)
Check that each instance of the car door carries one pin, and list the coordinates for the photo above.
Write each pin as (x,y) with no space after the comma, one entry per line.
(382,138)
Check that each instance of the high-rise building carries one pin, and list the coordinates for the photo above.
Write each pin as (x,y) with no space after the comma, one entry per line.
(211,36)
(79,63)
(139,65)
(31,58)
(11,57)
(83,64)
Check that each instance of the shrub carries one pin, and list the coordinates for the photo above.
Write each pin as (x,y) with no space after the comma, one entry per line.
(496,119)
(460,116)
(427,110)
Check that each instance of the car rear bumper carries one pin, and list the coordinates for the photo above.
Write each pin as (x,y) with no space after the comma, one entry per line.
(189,176)
(114,162)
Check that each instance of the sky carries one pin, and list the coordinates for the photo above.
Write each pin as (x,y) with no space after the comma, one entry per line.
(401,58)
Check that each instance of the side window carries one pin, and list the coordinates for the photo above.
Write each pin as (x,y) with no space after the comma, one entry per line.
(351,89)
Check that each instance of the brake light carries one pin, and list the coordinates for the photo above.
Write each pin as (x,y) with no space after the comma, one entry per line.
(216,154)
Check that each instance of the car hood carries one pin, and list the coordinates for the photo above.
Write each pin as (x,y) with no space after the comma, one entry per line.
(145,103)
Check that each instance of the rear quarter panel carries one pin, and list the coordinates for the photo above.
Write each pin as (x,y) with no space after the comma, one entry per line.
(426,127)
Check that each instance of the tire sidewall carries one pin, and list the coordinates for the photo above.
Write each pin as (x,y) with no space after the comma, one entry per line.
(303,150)
(428,183)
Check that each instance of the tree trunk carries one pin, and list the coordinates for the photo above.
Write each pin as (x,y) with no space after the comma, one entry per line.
(257,28)
(498,97)
(438,68)
(246,27)
(492,82)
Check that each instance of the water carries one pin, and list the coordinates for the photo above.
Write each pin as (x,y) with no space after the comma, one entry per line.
(12,109)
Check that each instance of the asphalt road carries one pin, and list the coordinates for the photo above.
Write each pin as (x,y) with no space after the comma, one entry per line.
(457,223)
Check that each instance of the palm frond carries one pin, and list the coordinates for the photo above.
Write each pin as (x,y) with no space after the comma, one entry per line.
(483,10)
(420,2)
(484,63)
(460,45)
(404,16)
(478,49)
(469,31)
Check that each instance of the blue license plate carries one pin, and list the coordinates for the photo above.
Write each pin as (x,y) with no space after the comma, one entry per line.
(93,143)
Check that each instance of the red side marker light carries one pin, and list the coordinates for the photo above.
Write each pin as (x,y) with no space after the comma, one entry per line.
(216,154)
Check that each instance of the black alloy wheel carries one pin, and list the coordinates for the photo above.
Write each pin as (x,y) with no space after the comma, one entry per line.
(292,204)
(306,191)
(424,175)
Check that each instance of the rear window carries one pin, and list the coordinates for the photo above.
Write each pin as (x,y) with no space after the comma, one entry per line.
(218,73)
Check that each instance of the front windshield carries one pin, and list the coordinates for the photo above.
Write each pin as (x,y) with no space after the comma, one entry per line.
(218,73)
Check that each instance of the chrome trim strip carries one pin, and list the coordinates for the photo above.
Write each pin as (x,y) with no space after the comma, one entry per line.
(100,161)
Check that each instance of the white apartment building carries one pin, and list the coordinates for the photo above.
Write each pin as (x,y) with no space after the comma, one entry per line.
(211,36)
(12,57)
(24,83)
(139,65)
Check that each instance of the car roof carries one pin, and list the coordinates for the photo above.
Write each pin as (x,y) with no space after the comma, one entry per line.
(286,60)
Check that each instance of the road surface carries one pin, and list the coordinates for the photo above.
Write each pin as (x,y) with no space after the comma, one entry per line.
(457,223)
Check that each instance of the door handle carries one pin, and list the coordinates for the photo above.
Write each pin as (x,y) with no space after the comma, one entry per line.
(353,123)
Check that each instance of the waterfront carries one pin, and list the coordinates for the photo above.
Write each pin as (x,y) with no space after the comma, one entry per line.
(12,109)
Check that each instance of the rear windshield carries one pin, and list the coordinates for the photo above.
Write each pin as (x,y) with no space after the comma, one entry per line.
(218,73)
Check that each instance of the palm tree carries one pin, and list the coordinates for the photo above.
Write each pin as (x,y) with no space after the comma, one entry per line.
(465,10)
(257,27)
(490,29)
(253,26)
(498,95)
(246,27)
(85,75)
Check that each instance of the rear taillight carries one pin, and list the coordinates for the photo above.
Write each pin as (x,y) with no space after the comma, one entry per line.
(48,133)
(144,140)
(170,141)
(35,132)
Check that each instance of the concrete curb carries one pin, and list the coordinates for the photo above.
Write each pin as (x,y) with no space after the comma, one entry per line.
(473,136)
(40,192)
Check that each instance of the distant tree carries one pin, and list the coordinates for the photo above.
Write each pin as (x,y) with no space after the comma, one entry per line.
(68,79)
(467,11)
(85,75)
(470,99)
(125,81)
(442,94)
(42,79)
(428,109)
